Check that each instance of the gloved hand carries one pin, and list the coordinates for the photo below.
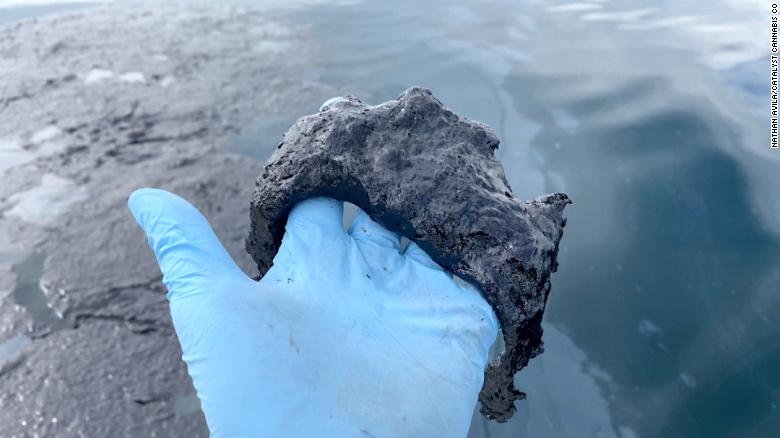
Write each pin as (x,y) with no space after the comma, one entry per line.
(345,336)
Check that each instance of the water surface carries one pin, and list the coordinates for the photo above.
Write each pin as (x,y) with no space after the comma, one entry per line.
(663,320)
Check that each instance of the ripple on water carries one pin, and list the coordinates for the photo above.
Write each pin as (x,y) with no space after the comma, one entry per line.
(567,394)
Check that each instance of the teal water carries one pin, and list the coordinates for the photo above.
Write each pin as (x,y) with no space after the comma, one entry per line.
(664,318)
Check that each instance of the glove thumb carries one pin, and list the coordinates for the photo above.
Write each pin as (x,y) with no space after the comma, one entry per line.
(190,255)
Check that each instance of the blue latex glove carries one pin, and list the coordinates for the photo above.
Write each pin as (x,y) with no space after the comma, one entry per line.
(345,336)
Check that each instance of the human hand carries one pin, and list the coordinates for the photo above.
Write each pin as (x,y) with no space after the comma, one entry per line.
(344,336)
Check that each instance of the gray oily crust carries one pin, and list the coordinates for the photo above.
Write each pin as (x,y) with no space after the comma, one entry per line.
(430,175)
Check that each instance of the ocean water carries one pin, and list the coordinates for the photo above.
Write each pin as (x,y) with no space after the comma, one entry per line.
(664,318)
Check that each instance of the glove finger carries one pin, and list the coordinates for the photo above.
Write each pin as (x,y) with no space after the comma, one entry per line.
(416,253)
(316,218)
(313,231)
(365,229)
(190,255)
